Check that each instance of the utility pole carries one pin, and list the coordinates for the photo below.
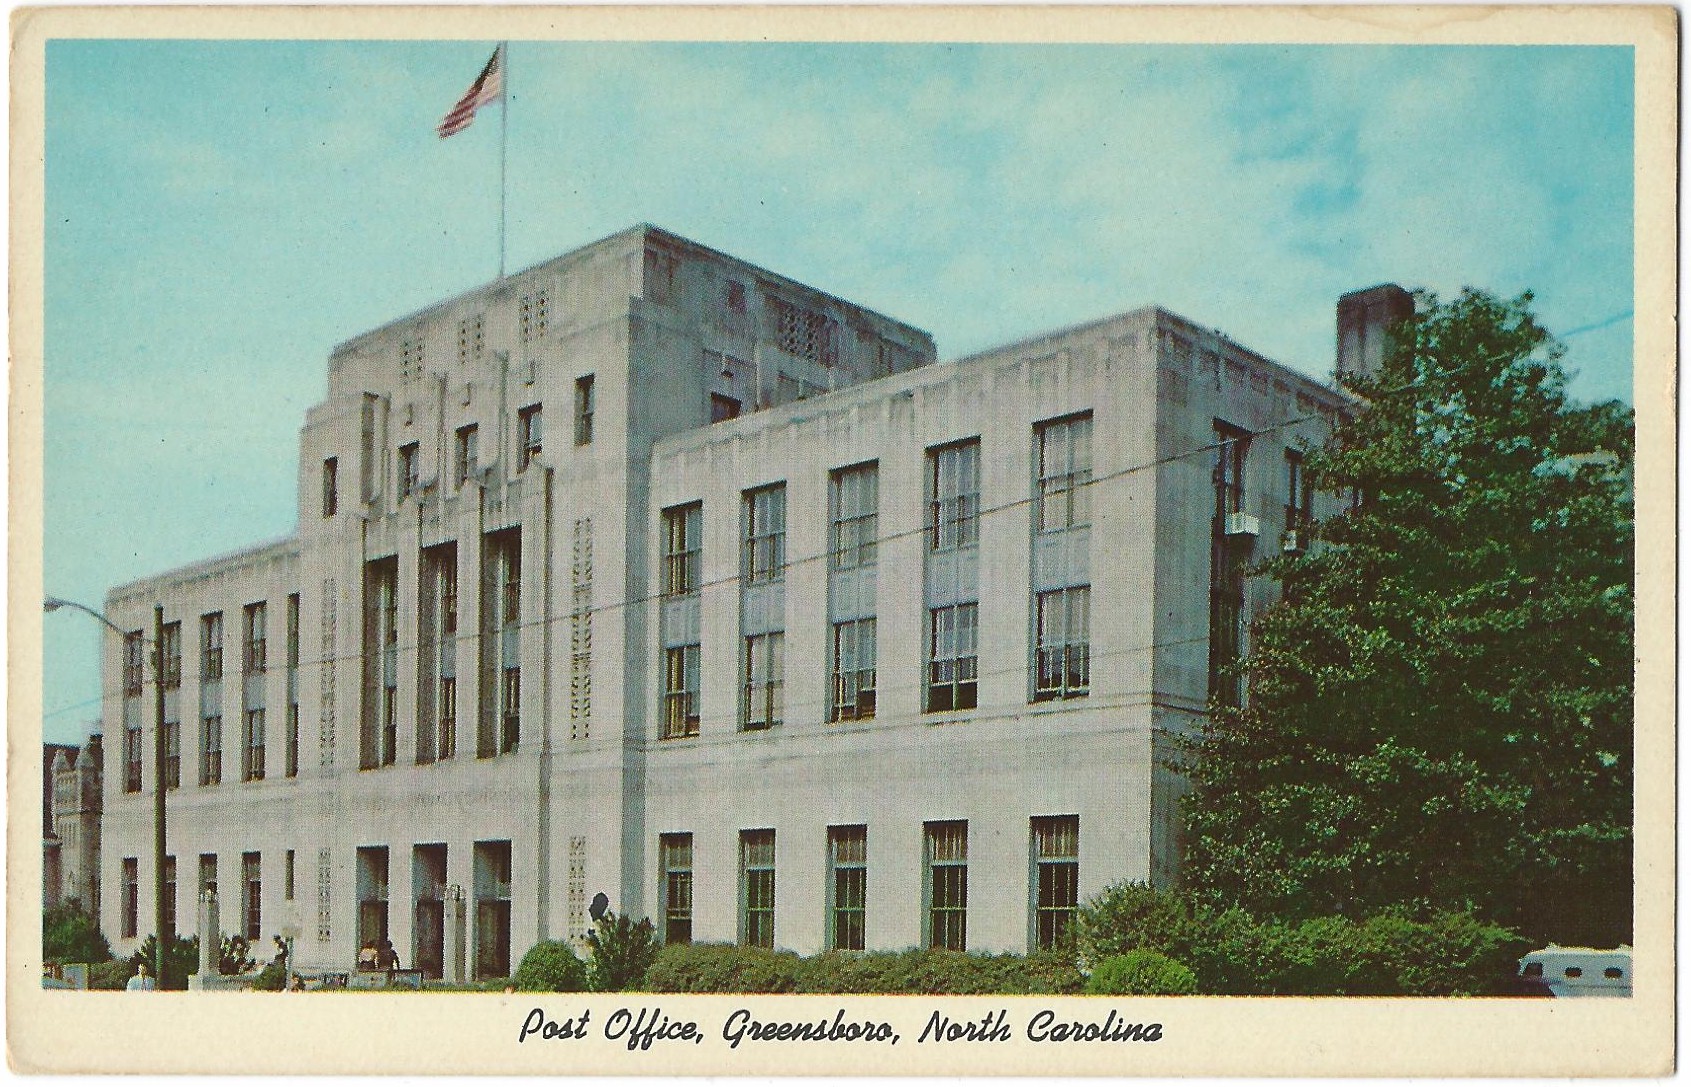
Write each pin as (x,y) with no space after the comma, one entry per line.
(161,918)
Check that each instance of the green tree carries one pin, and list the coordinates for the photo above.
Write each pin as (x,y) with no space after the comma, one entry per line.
(69,934)
(182,959)
(622,951)
(1440,708)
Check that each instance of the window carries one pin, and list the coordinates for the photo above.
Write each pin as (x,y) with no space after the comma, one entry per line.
(1062,665)
(856,501)
(211,749)
(291,761)
(1065,469)
(208,873)
(584,410)
(470,340)
(173,754)
(848,887)
(132,759)
(529,434)
(331,494)
(253,620)
(534,313)
(448,718)
(464,455)
(131,897)
(170,894)
(252,764)
(1300,501)
(211,646)
(681,534)
(763,676)
(172,656)
(676,855)
(736,297)
(854,670)
(288,875)
(252,895)
(952,661)
(1056,860)
(946,857)
(1231,444)
(766,534)
(723,408)
(510,710)
(134,664)
(681,692)
(954,484)
(409,469)
(757,888)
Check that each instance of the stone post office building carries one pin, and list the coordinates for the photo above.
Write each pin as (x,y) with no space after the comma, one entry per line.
(649,572)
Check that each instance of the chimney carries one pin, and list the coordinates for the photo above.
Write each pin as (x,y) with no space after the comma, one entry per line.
(1364,318)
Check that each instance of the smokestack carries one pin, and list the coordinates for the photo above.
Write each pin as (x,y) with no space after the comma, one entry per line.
(1364,318)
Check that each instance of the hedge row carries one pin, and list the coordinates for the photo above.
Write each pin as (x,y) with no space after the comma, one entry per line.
(1230,952)
(726,968)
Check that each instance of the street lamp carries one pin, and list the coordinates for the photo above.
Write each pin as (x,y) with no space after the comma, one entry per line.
(161,939)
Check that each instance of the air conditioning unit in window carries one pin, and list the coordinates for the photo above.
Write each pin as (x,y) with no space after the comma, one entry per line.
(1294,541)
(1242,524)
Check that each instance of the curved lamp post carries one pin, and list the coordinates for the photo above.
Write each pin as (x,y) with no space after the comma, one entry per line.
(162,939)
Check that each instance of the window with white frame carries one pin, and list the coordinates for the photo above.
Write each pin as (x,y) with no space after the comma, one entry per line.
(1065,471)
(211,749)
(681,692)
(856,507)
(953,663)
(954,486)
(854,670)
(763,680)
(464,454)
(529,435)
(1062,652)
(766,534)
(681,540)
(211,646)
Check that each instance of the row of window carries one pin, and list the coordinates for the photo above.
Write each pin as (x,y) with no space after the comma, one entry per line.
(465,450)
(1062,635)
(251,919)
(254,662)
(1053,884)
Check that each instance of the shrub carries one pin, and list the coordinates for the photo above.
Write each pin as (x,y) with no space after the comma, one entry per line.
(233,955)
(109,974)
(722,968)
(936,972)
(70,934)
(182,959)
(622,951)
(272,979)
(551,966)
(1141,973)
(1134,917)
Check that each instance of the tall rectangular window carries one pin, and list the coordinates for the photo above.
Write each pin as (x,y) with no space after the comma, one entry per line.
(132,759)
(681,692)
(584,410)
(1056,860)
(291,760)
(448,717)
(1231,445)
(856,506)
(764,670)
(1065,470)
(499,690)
(953,664)
(1062,623)
(172,656)
(288,875)
(253,620)
(252,896)
(464,454)
(681,543)
(131,897)
(675,853)
(1229,559)
(954,499)
(252,763)
(410,470)
(510,709)
(766,534)
(1300,500)
(848,887)
(379,693)
(528,435)
(757,888)
(211,646)
(946,858)
(211,749)
(854,670)
(208,873)
(331,493)
(172,754)
(134,663)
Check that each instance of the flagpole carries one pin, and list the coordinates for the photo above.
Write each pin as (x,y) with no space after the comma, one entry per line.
(504,116)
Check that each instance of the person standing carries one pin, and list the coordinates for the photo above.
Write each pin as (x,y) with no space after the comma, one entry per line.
(142,982)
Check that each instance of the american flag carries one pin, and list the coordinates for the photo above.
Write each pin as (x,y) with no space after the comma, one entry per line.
(488,87)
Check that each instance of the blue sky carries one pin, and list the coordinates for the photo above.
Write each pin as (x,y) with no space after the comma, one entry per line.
(219,214)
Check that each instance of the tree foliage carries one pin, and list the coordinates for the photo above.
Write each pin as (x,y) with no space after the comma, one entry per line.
(622,951)
(1440,708)
(70,934)
(551,966)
